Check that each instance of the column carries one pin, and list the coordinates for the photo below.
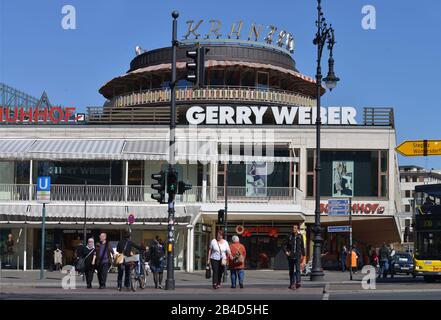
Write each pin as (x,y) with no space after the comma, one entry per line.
(126,179)
(213,181)
(204,182)
(31,167)
(25,247)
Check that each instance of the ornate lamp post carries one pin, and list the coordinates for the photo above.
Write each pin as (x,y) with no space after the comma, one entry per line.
(324,36)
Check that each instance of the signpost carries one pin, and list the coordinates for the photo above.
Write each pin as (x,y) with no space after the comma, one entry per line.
(339,208)
(43,196)
(420,148)
(334,229)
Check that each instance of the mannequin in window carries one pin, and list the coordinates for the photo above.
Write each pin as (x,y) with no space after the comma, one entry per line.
(58,258)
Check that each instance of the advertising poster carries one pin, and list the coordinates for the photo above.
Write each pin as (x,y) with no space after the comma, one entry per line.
(343,178)
(256,179)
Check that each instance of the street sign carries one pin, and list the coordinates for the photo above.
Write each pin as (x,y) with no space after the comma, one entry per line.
(335,229)
(338,207)
(131,219)
(44,189)
(420,148)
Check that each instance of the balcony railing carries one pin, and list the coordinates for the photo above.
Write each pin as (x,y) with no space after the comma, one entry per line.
(163,96)
(141,194)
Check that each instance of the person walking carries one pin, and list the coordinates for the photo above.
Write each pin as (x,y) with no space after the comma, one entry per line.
(103,259)
(391,258)
(9,250)
(343,254)
(157,261)
(384,256)
(237,264)
(294,250)
(89,255)
(124,247)
(218,252)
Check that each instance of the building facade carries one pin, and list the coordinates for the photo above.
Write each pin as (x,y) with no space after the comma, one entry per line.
(248,133)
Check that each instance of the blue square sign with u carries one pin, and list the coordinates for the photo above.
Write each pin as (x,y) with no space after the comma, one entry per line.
(44,184)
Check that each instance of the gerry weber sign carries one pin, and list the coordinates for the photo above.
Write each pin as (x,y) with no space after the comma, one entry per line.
(254,115)
(270,34)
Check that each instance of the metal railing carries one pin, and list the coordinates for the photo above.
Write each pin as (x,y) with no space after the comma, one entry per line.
(139,194)
(251,194)
(214,93)
(378,117)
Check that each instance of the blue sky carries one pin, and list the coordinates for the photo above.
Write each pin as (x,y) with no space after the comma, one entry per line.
(395,65)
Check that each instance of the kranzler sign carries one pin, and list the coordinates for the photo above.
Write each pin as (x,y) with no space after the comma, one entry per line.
(255,115)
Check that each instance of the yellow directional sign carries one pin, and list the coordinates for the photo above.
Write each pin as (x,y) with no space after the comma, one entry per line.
(420,148)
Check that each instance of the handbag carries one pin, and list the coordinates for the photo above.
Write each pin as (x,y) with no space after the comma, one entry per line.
(81,263)
(207,272)
(223,260)
(118,258)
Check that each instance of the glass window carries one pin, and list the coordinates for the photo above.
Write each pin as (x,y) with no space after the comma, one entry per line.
(407,208)
(216,77)
(262,80)
(383,161)
(248,78)
(232,77)
(407,194)
(310,185)
(310,160)
(166,78)
(384,186)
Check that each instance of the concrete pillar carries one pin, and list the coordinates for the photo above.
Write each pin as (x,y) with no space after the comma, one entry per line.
(213,181)
(303,170)
(31,165)
(126,179)
(190,249)
(204,182)
(25,241)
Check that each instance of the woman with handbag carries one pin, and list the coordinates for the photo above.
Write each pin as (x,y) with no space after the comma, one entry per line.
(218,252)
(237,264)
(88,260)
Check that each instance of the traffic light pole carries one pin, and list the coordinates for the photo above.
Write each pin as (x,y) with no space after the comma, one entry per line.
(226,214)
(170,282)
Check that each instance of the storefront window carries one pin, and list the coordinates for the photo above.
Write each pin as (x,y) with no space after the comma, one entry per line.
(95,172)
(350,173)
(248,78)
(262,80)
(216,77)
(232,77)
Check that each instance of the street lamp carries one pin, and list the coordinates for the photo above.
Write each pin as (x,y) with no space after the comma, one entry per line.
(324,36)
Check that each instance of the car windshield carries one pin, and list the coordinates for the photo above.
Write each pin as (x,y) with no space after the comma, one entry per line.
(403,256)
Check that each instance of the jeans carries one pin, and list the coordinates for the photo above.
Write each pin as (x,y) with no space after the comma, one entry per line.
(384,268)
(102,274)
(237,273)
(343,264)
(218,269)
(88,272)
(121,269)
(294,275)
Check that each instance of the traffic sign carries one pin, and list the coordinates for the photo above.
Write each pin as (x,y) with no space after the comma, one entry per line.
(131,219)
(335,229)
(420,148)
(44,189)
(338,207)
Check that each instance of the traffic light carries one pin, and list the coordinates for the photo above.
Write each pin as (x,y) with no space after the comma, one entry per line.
(221,216)
(182,187)
(196,67)
(172,182)
(159,186)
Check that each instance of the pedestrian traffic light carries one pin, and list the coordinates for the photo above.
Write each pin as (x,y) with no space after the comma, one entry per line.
(196,66)
(182,187)
(159,186)
(221,216)
(172,182)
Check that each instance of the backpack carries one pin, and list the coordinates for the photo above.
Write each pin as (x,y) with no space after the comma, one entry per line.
(238,258)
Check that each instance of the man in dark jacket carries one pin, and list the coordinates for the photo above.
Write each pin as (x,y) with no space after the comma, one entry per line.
(384,255)
(294,250)
(125,246)
(104,256)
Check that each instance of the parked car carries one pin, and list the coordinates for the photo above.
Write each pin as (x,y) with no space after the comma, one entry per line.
(402,263)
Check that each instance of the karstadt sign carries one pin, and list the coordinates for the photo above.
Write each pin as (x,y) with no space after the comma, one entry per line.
(257,115)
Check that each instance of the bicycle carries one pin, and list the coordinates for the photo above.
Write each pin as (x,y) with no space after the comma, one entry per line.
(138,272)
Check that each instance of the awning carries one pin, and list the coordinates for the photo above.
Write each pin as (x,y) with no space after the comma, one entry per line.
(67,213)
(121,149)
